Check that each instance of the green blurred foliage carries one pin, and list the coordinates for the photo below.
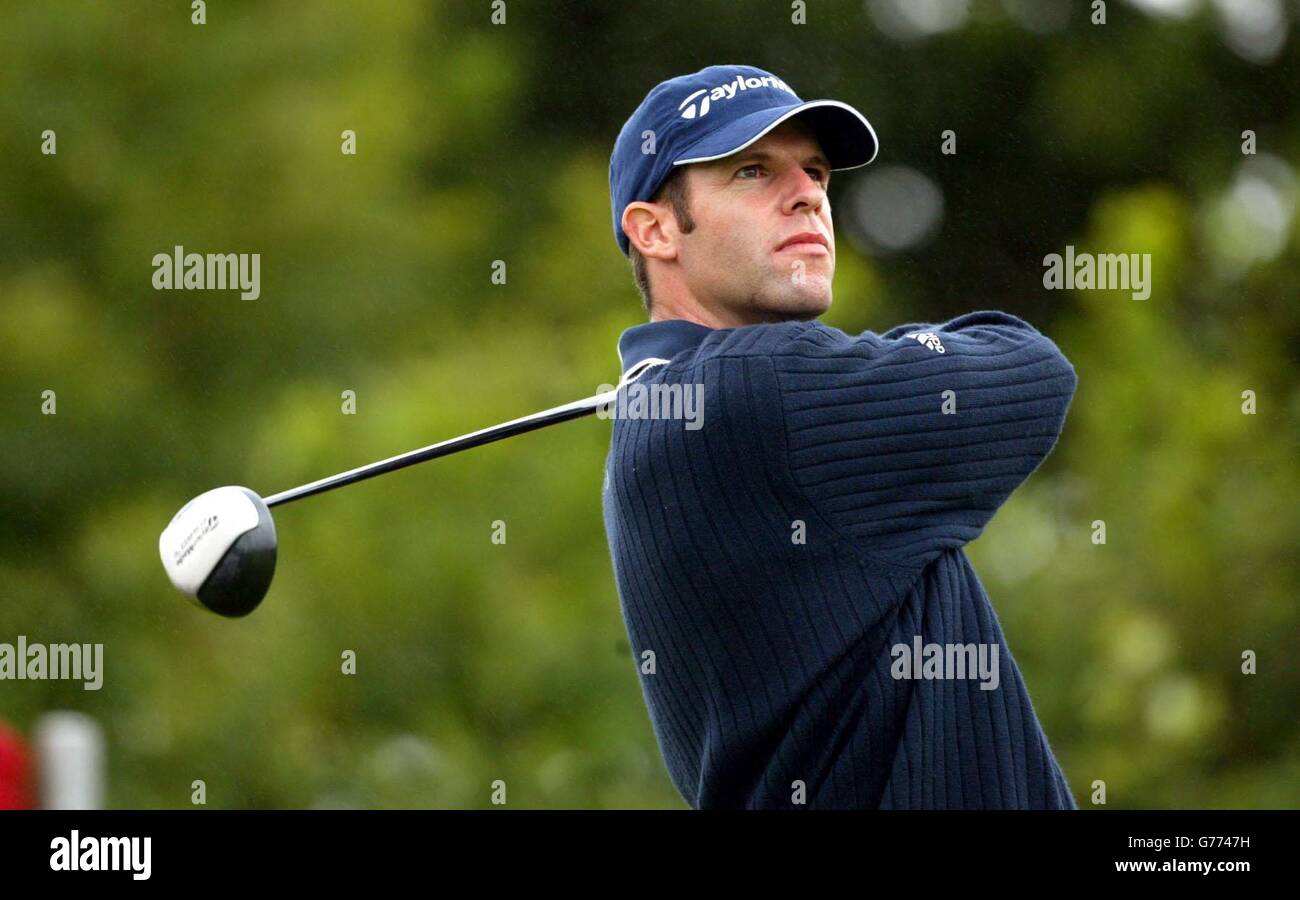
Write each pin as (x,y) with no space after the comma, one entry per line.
(478,661)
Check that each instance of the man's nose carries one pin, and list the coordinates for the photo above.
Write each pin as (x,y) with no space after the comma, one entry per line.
(807,192)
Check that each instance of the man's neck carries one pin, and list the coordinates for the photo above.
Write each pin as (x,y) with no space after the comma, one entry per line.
(693,311)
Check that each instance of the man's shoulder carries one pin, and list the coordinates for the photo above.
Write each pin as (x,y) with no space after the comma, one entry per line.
(760,340)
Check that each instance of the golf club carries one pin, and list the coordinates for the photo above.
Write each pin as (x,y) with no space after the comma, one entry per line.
(220,548)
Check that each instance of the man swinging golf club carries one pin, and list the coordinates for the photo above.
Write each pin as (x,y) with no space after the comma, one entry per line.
(808,630)
(791,574)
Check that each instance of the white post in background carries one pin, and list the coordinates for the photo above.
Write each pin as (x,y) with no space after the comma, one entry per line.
(69,749)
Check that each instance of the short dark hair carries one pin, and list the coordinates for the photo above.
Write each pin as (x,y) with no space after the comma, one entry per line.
(675,191)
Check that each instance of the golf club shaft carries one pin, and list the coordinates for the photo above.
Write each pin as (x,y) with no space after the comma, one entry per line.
(574,410)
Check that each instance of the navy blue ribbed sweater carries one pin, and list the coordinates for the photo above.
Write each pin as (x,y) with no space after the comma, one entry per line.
(773,563)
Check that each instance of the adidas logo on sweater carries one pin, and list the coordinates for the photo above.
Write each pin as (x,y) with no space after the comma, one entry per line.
(929,339)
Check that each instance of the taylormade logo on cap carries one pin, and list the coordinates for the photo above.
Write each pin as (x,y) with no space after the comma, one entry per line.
(690,110)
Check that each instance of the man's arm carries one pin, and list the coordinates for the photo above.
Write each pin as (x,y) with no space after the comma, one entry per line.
(908,441)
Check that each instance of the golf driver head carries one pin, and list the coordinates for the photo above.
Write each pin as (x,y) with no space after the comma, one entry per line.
(219,550)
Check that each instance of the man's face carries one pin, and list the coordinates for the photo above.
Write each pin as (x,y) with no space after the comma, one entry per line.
(739,259)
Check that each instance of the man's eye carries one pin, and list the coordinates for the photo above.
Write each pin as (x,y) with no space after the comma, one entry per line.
(818,174)
(742,171)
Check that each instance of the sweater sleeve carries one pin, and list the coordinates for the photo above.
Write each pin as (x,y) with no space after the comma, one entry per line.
(907,442)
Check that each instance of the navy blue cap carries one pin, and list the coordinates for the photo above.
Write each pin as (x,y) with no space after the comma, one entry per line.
(716,112)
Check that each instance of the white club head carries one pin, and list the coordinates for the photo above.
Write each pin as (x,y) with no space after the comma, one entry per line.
(220,550)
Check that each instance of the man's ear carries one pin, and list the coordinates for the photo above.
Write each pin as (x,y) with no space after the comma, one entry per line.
(651,229)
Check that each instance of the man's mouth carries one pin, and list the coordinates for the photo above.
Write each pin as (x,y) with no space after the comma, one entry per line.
(805,242)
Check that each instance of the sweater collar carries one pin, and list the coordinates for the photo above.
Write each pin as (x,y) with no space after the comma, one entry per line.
(663,339)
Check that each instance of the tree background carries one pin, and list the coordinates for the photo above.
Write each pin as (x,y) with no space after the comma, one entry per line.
(479,142)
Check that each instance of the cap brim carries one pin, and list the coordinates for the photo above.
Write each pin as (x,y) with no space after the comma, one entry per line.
(845,135)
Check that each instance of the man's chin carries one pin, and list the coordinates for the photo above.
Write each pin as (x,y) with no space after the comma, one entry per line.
(783,302)
(802,304)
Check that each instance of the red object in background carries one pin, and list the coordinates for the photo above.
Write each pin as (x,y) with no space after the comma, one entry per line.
(15,771)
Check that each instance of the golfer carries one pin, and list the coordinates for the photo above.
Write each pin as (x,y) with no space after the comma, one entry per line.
(807,629)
